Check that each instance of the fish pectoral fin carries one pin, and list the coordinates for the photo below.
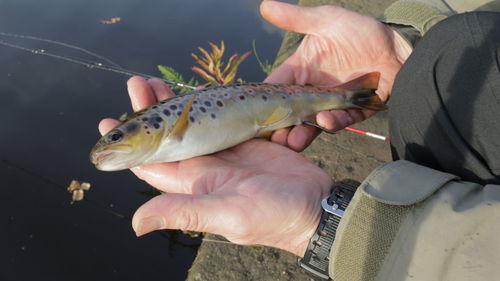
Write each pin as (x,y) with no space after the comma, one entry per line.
(182,123)
(279,114)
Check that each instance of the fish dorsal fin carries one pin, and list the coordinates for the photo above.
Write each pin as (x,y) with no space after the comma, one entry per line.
(181,125)
(278,114)
(363,82)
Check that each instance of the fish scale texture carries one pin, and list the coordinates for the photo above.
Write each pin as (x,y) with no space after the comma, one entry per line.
(343,156)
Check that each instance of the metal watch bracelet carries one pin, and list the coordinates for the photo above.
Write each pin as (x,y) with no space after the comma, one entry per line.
(316,259)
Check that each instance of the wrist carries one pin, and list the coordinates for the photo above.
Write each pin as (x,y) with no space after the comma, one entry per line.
(301,247)
(402,48)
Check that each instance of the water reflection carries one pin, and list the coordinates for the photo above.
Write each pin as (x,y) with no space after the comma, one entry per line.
(49,111)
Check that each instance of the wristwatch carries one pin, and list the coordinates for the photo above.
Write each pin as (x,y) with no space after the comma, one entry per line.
(316,259)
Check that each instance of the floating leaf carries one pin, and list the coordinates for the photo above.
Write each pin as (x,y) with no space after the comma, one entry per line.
(77,190)
(111,21)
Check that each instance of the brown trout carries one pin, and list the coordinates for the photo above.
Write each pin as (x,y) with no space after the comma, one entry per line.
(215,118)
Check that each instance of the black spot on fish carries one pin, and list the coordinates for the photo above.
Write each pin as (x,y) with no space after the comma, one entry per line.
(190,109)
(202,109)
(158,119)
(219,103)
(166,112)
(208,103)
(195,102)
(283,97)
(173,107)
(163,102)
(155,107)
(156,125)
(264,97)
(242,97)
(213,116)
(147,132)
(132,126)
(226,95)
(179,113)
(191,118)
(144,119)
(145,127)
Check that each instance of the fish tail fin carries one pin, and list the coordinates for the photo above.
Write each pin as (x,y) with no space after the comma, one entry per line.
(366,99)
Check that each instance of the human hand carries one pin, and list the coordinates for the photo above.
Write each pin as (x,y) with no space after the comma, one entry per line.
(257,192)
(339,45)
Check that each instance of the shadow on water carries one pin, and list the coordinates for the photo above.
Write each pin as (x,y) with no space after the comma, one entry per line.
(50,110)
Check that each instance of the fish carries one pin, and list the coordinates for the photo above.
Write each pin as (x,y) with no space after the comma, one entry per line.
(215,118)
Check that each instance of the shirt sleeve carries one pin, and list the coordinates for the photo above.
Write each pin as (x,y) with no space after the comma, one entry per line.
(409,222)
(413,18)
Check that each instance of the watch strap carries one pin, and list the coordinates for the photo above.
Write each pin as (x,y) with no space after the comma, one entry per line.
(316,259)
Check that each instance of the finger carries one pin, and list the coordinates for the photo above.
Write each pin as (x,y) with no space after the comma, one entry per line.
(359,115)
(334,119)
(201,213)
(160,89)
(162,176)
(280,136)
(301,137)
(107,124)
(140,92)
(295,18)
(284,74)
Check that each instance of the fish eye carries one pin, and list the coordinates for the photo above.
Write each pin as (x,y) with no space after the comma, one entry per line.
(115,136)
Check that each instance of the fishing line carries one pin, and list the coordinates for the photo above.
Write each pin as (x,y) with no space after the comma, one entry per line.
(69,46)
(114,67)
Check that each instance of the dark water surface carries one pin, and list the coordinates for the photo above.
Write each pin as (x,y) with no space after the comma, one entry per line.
(49,110)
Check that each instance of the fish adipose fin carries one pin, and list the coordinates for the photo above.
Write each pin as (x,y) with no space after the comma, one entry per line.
(182,123)
(366,99)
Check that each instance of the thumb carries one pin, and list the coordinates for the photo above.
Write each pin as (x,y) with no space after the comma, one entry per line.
(107,125)
(200,212)
(293,17)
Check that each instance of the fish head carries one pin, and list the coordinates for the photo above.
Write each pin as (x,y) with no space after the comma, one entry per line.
(128,145)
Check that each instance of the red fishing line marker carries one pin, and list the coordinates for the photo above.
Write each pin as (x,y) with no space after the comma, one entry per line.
(361,132)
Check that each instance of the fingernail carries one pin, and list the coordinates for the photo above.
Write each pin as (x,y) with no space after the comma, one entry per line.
(149,224)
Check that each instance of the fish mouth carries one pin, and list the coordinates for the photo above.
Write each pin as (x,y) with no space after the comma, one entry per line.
(97,155)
